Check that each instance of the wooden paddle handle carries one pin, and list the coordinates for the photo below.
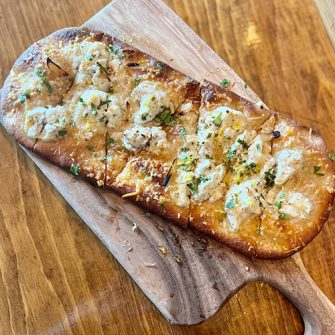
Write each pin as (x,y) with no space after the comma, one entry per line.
(292,279)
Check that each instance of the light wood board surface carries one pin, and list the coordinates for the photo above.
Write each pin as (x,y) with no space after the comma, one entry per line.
(35,253)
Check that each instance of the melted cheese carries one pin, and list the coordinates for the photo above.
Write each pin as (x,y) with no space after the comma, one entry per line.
(152,100)
(182,193)
(89,116)
(243,202)
(56,119)
(137,138)
(210,179)
(288,163)
(115,112)
(230,120)
(86,58)
(295,205)
(34,121)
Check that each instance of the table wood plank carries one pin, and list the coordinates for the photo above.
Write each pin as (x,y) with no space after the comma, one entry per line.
(56,277)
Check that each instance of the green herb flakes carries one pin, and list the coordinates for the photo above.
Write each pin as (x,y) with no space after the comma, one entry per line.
(22,97)
(230,204)
(331,156)
(45,81)
(270,177)
(166,118)
(317,171)
(225,83)
(110,142)
(243,143)
(61,133)
(282,216)
(103,68)
(182,132)
(74,169)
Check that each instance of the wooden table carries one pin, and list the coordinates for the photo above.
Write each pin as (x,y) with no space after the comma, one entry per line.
(55,275)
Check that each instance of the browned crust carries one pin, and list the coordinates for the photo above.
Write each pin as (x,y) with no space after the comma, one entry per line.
(211,94)
(326,199)
(248,246)
(168,211)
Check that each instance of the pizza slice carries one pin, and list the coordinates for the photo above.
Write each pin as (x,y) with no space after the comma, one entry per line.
(162,112)
(253,199)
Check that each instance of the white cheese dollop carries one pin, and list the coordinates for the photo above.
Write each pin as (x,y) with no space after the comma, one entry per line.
(243,202)
(294,204)
(57,120)
(89,116)
(46,122)
(182,193)
(210,179)
(115,112)
(140,137)
(232,121)
(34,121)
(152,99)
(255,151)
(87,58)
(288,162)
(136,138)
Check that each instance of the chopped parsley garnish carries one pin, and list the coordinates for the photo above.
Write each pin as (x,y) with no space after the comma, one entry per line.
(103,68)
(193,186)
(258,147)
(194,183)
(317,171)
(230,204)
(110,142)
(81,100)
(94,107)
(243,143)
(209,135)
(203,178)
(186,161)
(182,132)
(61,133)
(331,156)
(282,216)
(116,50)
(74,169)
(231,154)
(22,97)
(225,83)
(251,167)
(104,102)
(278,203)
(144,116)
(45,81)
(270,177)
(90,148)
(166,118)
(159,66)
(217,119)
(137,80)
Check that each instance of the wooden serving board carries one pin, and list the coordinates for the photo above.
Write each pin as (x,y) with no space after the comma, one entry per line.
(197,275)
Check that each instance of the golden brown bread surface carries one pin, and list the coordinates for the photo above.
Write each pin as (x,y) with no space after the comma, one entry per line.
(196,154)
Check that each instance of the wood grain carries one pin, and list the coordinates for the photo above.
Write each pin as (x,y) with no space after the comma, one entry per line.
(48,257)
(326,9)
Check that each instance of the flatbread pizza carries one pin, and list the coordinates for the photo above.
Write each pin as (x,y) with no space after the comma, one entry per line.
(194,153)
